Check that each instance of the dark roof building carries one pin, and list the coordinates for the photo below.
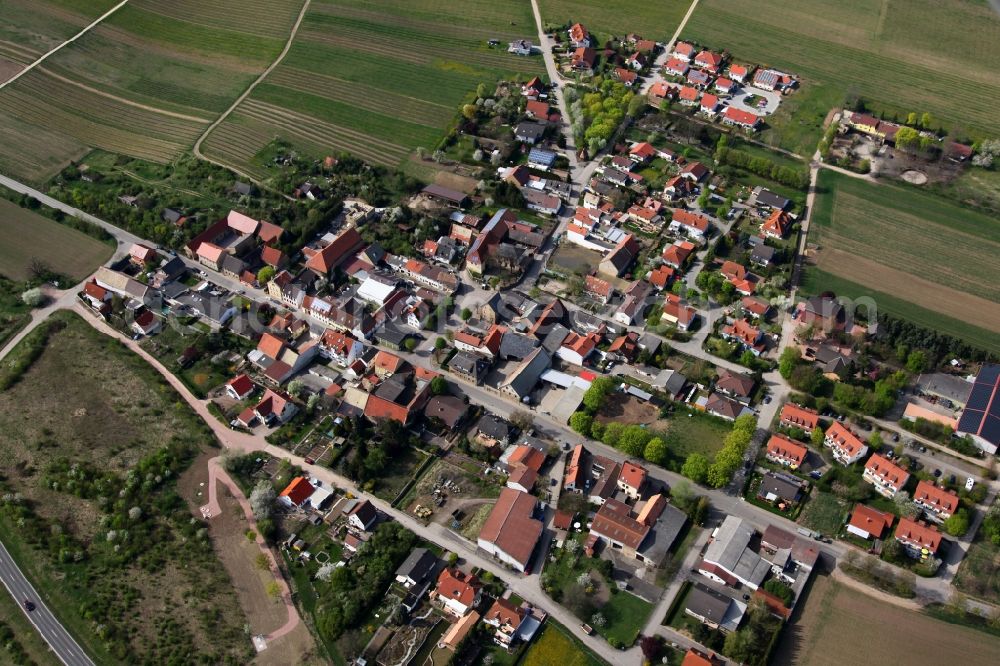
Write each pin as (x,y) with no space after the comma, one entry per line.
(981,418)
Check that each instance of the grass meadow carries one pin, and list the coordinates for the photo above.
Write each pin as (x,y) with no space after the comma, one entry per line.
(376,79)
(554,645)
(898,55)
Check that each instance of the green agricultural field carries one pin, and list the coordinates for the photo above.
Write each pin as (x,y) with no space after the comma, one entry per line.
(653,20)
(30,28)
(898,55)
(29,236)
(377,79)
(857,225)
(145,82)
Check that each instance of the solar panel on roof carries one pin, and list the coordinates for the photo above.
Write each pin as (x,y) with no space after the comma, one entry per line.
(990,374)
(979,398)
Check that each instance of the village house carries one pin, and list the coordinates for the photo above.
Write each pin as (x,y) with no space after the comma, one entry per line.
(735,385)
(676,254)
(457,591)
(362,516)
(887,477)
(786,452)
(869,523)
(938,503)
(678,313)
(846,446)
(740,118)
(694,225)
(920,540)
(240,387)
(794,416)
(745,334)
(630,479)
(511,531)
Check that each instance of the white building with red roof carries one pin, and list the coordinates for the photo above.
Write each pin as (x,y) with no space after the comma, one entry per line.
(869,523)
(631,478)
(457,591)
(240,387)
(920,540)
(846,446)
(740,118)
(795,416)
(887,477)
(511,531)
(786,452)
(938,503)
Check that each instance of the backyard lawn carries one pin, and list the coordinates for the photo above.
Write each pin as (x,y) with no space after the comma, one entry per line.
(824,513)
(626,615)
(554,645)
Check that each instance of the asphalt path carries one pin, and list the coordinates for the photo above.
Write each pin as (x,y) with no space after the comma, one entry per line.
(55,634)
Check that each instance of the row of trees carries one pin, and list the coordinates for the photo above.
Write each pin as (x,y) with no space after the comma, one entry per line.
(719,472)
(724,154)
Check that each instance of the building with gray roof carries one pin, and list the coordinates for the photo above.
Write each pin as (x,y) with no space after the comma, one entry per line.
(729,558)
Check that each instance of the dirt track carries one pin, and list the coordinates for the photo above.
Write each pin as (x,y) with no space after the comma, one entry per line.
(926,294)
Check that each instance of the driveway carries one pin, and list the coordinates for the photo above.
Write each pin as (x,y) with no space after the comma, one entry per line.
(773,100)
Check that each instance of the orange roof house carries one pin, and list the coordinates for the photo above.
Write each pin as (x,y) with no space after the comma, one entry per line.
(939,503)
(920,539)
(297,492)
(794,416)
(270,345)
(869,523)
(511,531)
(785,451)
(847,447)
(631,478)
(887,477)
(457,590)
(777,225)
(336,253)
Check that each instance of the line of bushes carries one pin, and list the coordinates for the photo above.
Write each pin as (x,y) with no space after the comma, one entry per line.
(797,178)
(22,357)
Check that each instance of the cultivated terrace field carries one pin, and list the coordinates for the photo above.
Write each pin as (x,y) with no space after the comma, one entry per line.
(897,55)
(145,82)
(377,78)
(653,20)
(91,443)
(858,228)
(878,633)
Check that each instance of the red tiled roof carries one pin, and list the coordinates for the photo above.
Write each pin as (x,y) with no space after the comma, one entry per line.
(784,448)
(741,117)
(918,535)
(884,469)
(844,439)
(241,223)
(688,94)
(528,456)
(935,497)
(690,219)
(802,417)
(632,475)
(298,491)
(777,224)
(661,276)
(614,522)
(511,527)
(241,385)
(871,520)
(678,253)
(336,252)
(271,256)
(270,345)
(458,585)
(210,252)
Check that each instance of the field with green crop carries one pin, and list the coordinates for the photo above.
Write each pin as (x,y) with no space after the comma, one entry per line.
(377,79)
(33,27)
(146,82)
(857,227)
(652,20)
(899,56)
